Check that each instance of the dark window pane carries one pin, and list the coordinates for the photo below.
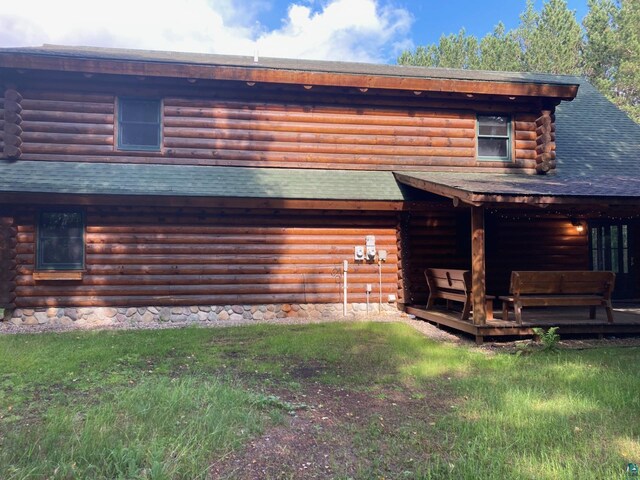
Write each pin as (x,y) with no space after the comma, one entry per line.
(139,111)
(62,251)
(52,223)
(137,134)
(625,261)
(492,147)
(139,124)
(60,240)
(493,126)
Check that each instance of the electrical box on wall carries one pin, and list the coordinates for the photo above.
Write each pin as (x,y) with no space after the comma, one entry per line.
(370,241)
(359,253)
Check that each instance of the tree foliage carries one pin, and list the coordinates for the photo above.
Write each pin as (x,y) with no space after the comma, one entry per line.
(605,48)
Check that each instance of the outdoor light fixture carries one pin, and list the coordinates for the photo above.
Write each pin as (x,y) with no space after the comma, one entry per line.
(578,224)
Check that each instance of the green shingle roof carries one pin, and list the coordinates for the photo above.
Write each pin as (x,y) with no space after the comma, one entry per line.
(595,138)
(197,181)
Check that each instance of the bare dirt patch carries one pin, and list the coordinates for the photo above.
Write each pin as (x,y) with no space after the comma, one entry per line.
(344,433)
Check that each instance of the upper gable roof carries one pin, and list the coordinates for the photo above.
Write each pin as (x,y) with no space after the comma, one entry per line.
(598,146)
(281,70)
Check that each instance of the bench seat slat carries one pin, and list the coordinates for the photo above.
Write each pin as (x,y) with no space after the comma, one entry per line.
(559,288)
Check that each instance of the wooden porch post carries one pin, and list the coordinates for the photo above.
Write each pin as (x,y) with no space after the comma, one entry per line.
(478,283)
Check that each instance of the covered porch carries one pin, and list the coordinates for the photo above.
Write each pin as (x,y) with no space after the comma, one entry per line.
(579,205)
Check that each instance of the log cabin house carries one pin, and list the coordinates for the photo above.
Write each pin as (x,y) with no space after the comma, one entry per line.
(137,185)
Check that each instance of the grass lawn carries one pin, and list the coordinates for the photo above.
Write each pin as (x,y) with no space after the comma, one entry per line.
(340,400)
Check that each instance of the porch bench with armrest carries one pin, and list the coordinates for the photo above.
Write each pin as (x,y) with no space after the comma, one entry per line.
(453,285)
(559,289)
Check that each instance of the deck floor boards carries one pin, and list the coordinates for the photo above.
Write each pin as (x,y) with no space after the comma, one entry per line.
(570,320)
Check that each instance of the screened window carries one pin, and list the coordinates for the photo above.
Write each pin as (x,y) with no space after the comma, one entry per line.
(494,137)
(138,124)
(60,243)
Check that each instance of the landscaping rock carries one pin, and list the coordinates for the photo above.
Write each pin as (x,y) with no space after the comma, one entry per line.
(165,314)
(237,309)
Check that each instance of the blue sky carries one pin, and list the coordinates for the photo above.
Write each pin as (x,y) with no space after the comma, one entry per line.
(431,18)
(350,30)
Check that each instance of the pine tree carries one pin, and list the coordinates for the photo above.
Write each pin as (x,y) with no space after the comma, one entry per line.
(500,51)
(599,53)
(452,51)
(606,50)
(627,78)
(526,34)
(552,40)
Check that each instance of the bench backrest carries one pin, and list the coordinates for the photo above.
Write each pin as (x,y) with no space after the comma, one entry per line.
(447,279)
(563,282)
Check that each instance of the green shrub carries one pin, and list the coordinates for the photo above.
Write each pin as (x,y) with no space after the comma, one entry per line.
(549,338)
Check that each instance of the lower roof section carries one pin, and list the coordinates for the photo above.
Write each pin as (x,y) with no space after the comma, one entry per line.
(75,178)
(22,179)
(479,188)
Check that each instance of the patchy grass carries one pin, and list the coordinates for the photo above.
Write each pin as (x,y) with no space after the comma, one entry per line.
(341,400)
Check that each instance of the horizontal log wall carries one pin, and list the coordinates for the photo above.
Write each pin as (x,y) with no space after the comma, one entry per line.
(535,243)
(67,124)
(271,129)
(1,127)
(439,238)
(159,257)
(524,139)
(7,262)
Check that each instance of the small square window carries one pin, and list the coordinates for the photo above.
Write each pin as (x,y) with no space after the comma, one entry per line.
(138,124)
(60,242)
(494,137)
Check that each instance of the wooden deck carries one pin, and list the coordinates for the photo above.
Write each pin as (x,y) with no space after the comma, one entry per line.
(571,321)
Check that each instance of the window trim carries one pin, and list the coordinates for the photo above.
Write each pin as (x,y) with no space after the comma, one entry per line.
(121,124)
(508,137)
(39,267)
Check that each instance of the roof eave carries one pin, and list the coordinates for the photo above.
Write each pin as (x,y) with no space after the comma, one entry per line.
(262,74)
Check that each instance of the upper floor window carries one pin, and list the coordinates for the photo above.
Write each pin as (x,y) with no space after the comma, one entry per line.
(60,242)
(494,137)
(138,124)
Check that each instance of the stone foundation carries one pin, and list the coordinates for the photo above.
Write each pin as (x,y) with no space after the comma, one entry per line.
(98,316)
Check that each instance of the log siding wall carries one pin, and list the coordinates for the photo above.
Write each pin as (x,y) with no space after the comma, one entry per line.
(262,131)
(2,127)
(7,262)
(535,243)
(162,257)
(439,238)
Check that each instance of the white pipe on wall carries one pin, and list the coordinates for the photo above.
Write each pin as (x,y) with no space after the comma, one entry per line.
(345,268)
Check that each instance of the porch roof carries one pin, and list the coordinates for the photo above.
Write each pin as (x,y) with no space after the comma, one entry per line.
(479,188)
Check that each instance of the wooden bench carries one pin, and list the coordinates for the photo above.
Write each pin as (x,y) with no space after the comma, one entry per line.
(559,289)
(453,285)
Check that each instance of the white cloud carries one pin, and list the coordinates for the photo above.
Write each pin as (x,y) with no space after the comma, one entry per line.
(356,30)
